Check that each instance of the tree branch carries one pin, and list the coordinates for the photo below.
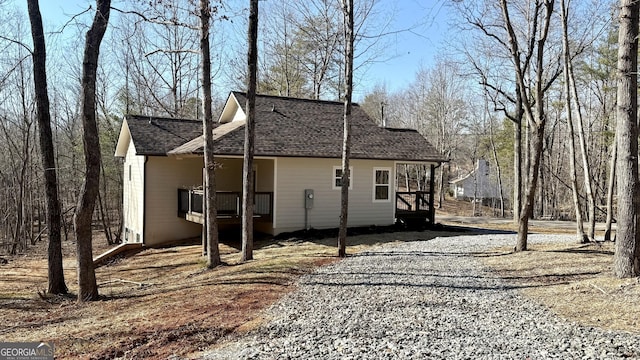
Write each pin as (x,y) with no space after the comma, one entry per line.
(17,43)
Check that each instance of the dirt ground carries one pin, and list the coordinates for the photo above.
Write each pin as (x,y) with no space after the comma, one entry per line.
(575,281)
(164,302)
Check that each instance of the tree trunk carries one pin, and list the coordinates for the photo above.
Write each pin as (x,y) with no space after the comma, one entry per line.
(54,223)
(249,136)
(494,150)
(88,288)
(347,10)
(610,189)
(571,87)
(530,194)
(626,251)
(517,168)
(211,212)
(580,235)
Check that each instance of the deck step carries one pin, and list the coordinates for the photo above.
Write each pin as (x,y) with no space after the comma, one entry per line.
(113,252)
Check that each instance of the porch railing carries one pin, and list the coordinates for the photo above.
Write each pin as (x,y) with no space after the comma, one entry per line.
(416,203)
(228,203)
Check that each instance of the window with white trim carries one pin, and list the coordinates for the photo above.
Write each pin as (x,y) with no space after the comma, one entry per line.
(381,184)
(337,177)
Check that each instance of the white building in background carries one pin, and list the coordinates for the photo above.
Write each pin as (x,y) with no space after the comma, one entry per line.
(479,184)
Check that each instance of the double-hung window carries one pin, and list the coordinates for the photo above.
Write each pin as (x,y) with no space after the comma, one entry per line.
(337,177)
(381,184)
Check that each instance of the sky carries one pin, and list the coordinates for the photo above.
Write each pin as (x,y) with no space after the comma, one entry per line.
(427,22)
(411,49)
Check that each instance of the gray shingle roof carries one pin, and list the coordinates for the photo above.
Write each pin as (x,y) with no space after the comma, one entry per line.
(291,127)
(157,135)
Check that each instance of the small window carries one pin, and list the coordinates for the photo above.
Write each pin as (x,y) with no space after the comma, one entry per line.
(337,177)
(381,184)
(137,237)
(129,172)
(126,234)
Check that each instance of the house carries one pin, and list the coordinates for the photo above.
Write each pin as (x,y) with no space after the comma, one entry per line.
(297,170)
(478,184)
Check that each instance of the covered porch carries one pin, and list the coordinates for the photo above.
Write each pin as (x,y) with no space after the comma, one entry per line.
(190,200)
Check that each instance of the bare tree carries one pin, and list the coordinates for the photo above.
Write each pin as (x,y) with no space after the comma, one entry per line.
(532,97)
(211,216)
(347,11)
(249,135)
(88,288)
(54,216)
(627,251)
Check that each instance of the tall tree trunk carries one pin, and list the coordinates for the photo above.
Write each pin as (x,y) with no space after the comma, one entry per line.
(347,10)
(249,135)
(211,212)
(610,189)
(54,215)
(88,288)
(494,150)
(517,157)
(581,237)
(626,262)
(580,234)
(571,87)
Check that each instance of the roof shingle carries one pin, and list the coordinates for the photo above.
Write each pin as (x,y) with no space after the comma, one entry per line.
(292,127)
(157,135)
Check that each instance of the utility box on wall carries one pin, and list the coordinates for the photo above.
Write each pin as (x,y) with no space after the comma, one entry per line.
(308,198)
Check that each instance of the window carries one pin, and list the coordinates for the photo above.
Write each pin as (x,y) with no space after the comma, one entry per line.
(129,172)
(381,184)
(337,177)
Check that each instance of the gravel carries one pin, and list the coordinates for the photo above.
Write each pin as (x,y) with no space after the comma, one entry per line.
(421,300)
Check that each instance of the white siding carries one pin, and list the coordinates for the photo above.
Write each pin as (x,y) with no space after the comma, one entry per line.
(294,175)
(164,176)
(132,192)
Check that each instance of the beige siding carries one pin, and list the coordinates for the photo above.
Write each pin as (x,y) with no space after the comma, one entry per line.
(265,179)
(164,176)
(133,205)
(296,174)
(229,174)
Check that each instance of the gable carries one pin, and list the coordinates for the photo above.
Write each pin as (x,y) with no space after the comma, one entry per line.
(232,111)
(124,139)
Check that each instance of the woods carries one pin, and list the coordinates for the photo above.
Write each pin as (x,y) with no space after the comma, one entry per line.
(545,91)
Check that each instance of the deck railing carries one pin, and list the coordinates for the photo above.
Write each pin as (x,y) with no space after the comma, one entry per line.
(228,203)
(415,204)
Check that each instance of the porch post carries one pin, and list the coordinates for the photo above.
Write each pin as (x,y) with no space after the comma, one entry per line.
(204,211)
(432,209)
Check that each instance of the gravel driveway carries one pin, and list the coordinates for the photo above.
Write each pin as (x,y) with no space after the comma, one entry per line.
(421,300)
